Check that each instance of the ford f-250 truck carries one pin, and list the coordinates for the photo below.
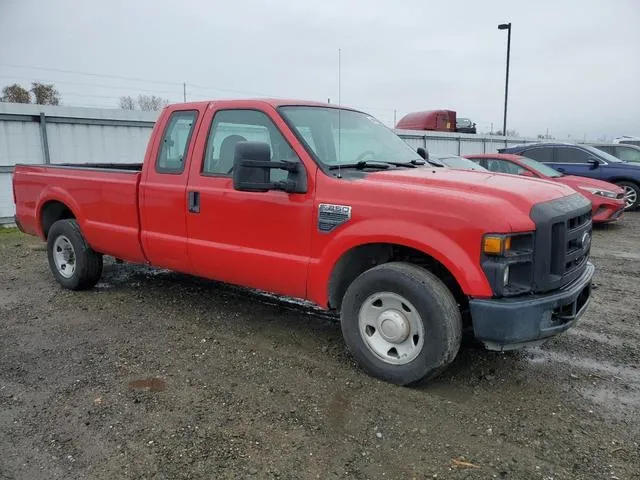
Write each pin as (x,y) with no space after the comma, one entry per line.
(326,204)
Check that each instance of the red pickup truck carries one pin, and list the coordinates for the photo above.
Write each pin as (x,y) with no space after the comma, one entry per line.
(326,204)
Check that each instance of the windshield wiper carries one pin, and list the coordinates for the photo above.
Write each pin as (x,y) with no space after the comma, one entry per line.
(362,165)
(411,164)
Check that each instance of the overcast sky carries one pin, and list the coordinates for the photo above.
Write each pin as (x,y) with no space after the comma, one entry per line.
(575,65)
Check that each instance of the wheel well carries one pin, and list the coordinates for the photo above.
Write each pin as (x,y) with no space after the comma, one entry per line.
(622,179)
(52,212)
(360,259)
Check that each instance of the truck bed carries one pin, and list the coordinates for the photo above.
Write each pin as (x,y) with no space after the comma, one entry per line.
(103,198)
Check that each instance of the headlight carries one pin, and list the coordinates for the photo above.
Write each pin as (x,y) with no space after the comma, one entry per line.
(507,261)
(509,244)
(599,192)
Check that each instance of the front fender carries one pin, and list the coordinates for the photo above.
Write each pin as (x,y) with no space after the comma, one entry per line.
(462,260)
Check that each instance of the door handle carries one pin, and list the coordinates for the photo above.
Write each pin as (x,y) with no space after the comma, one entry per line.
(560,169)
(193,201)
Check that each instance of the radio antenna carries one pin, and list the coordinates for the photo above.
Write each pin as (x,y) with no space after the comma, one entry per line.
(339,110)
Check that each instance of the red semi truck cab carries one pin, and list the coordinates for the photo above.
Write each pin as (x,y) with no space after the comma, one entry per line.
(326,204)
(436,120)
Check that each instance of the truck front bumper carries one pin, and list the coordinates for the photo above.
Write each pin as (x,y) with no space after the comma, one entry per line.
(509,323)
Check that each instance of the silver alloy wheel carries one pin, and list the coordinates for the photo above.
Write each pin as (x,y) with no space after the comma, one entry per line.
(391,328)
(630,196)
(64,256)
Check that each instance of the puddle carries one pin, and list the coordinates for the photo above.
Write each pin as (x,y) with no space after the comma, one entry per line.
(612,340)
(148,385)
(618,388)
(610,397)
(539,357)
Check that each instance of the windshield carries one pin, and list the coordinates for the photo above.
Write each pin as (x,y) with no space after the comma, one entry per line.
(540,168)
(459,163)
(600,154)
(361,137)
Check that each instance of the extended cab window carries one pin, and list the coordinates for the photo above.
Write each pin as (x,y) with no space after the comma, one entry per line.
(232,126)
(175,141)
(542,154)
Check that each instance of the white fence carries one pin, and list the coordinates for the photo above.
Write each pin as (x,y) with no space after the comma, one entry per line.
(38,134)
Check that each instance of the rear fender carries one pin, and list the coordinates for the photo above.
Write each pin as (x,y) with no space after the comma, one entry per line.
(58,194)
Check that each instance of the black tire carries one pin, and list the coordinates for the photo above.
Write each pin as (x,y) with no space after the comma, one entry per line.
(630,185)
(435,305)
(87,263)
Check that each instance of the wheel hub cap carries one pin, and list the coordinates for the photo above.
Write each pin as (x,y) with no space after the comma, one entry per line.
(394,327)
(391,328)
(64,256)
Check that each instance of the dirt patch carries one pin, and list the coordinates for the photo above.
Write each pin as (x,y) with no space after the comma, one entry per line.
(148,385)
(158,375)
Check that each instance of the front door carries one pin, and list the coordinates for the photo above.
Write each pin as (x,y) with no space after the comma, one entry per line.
(575,161)
(256,239)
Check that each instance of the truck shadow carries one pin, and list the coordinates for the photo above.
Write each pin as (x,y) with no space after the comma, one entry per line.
(271,319)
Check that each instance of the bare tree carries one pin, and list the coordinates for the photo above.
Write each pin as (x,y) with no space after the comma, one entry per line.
(45,94)
(545,136)
(127,103)
(15,94)
(149,103)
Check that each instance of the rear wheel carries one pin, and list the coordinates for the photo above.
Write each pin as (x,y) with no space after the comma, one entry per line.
(73,263)
(401,323)
(631,195)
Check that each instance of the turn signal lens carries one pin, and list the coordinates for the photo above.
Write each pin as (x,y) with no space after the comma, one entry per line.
(496,245)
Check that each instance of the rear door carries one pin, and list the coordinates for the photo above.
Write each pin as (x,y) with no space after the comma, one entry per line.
(162,192)
(255,239)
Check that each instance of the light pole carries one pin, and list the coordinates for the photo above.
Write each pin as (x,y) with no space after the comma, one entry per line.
(506,26)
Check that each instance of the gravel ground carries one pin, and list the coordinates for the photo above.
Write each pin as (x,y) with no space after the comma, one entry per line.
(164,376)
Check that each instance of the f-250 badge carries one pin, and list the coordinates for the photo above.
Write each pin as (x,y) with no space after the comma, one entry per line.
(332,216)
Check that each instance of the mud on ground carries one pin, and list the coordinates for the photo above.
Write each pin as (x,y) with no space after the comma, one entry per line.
(162,376)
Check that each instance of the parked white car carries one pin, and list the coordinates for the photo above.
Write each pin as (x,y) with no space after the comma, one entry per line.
(628,140)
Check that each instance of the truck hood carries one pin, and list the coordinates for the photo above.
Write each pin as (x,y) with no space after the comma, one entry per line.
(525,192)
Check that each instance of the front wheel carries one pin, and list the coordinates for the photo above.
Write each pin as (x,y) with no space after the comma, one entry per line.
(631,195)
(73,263)
(401,323)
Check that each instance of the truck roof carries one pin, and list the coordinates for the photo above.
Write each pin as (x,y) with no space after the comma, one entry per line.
(274,102)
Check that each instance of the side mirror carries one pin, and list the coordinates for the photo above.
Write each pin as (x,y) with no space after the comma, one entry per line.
(593,163)
(527,173)
(423,153)
(252,167)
